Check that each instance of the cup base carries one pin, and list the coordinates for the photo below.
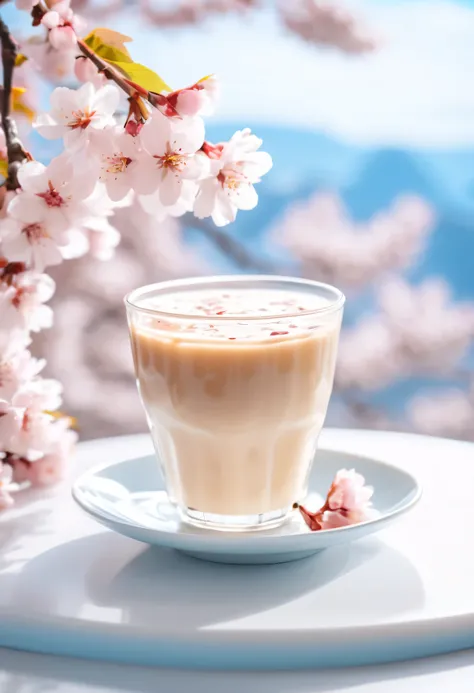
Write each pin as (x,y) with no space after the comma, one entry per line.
(234,523)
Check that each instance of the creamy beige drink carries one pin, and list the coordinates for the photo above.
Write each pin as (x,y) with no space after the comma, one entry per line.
(235,381)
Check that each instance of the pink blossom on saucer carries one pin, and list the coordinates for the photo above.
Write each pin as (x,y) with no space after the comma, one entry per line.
(348,503)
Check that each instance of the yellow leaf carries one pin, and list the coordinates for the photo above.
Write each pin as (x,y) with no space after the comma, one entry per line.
(19,105)
(61,415)
(20,59)
(109,45)
(108,52)
(107,37)
(142,76)
(4,168)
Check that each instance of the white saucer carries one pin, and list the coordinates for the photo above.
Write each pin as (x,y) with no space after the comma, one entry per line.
(129,498)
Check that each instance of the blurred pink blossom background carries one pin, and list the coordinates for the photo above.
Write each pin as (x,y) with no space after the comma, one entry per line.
(406,331)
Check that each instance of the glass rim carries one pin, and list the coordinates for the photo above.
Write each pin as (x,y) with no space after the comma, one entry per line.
(191,282)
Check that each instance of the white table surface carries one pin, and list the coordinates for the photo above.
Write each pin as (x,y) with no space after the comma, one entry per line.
(22,672)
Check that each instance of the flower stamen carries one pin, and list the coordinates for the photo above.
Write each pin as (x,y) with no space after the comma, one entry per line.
(82,119)
(117,163)
(51,196)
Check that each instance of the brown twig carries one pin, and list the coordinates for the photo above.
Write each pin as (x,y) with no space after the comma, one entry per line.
(105,68)
(15,152)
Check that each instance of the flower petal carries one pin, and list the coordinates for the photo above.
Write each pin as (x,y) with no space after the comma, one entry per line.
(106,100)
(170,188)
(155,134)
(206,199)
(27,208)
(246,198)
(32,177)
(48,127)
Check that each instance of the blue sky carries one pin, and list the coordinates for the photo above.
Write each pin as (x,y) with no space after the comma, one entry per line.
(417,89)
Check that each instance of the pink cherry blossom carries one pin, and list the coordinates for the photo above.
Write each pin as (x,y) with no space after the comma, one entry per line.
(26,5)
(39,394)
(154,207)
(447,413)
(6,501)
(172,147)
(63,25)
(53,65)
(331,247)
(198,99)
(50,468)
(31,243)
(120,167)
(417,330)
(21,302)
(86,71)
(52,195)
(348,502)
(16,371)
(35,436)
(10,424)
(235,166)
(78,114)
(326,23)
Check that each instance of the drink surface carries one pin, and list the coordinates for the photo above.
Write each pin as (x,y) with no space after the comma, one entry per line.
(240,314)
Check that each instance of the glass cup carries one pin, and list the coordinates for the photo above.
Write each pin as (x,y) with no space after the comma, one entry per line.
(235,375)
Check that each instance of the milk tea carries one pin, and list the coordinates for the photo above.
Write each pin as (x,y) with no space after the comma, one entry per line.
(235,395)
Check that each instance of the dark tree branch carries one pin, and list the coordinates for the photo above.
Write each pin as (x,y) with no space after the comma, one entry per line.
(229,246)
(15,152)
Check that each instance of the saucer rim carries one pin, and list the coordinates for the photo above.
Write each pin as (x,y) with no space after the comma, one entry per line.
(204,538)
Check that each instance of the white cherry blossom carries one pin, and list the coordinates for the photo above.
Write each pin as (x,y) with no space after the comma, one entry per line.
(52,196)
(120,165)
(172,147)
(78,115)
(49,468)
(10,424)
(31,243)
(62,24)
(32,433)
(86,71)
(40,394)
(235,167)
(22,302)
(16,371)
(53,65)
(152,203)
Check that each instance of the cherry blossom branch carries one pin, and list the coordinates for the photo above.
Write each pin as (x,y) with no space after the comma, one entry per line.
(106,69)
(15,151)
(38,12)
(230,247)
